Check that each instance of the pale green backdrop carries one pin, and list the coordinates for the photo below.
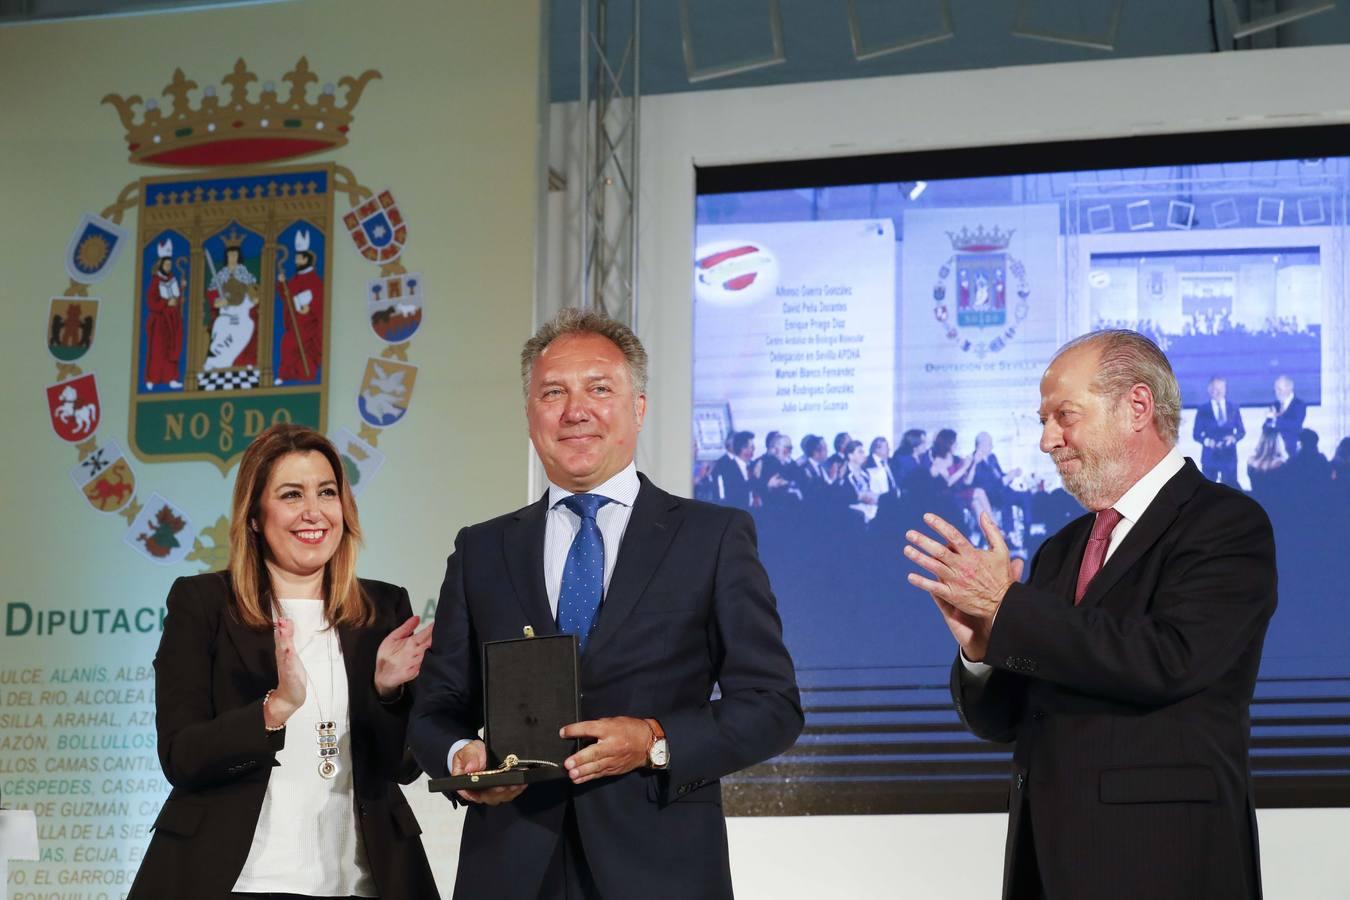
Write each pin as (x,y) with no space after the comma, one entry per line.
(451,128)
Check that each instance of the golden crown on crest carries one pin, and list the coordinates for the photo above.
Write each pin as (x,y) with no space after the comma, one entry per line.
(979,240)
(237,130)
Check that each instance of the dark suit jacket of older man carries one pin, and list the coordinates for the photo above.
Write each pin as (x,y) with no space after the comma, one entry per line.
(1130,712)
(688,607)
(1289,423)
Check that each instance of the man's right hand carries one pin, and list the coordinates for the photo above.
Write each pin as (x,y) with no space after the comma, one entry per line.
(472,757)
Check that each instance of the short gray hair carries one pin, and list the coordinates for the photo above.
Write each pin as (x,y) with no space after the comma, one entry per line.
(572,320)
(1128,358)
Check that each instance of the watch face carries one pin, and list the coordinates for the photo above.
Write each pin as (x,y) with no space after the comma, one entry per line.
(658,755)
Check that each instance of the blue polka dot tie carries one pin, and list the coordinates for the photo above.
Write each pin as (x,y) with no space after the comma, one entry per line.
(583,580)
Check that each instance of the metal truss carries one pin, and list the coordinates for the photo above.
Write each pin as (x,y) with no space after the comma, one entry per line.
(610,91)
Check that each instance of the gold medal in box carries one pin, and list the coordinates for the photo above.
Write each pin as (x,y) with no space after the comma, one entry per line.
(529,693)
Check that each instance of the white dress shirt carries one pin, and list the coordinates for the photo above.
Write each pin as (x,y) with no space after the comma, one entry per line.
(880,475)
(561,526)
(1131,506)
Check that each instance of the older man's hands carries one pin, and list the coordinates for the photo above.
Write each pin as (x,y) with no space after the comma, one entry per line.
(968,584)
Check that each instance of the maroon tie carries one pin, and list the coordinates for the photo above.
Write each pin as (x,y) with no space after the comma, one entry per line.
(1095,554)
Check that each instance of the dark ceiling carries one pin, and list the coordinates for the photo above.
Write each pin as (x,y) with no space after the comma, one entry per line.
(817,41)
(817,44)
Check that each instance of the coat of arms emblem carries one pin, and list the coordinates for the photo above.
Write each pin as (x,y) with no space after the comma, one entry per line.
(70,327)
(395,306)
(105,478)
(979,270)
(234,263)
(232,304)
(93,249)
(74,408)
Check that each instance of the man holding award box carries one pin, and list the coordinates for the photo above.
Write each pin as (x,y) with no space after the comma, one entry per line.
(667,599)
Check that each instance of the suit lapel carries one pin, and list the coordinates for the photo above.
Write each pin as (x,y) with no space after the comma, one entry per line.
(1155,521)
(651,527)
(523,546)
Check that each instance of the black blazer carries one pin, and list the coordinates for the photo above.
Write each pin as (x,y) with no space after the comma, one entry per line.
(688,607)
(1130,712)
(211,674)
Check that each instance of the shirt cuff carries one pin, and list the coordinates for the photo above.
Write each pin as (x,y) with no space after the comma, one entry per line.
(455,748)
(976,672)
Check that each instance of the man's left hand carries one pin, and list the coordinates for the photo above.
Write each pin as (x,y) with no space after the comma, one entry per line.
(621,744)
(972,581)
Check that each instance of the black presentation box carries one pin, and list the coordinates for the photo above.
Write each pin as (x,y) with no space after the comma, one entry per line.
(529,692)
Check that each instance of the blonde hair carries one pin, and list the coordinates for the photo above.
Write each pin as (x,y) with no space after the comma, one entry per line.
(344,601)
(1269,453)
(1128,358)
(572,320)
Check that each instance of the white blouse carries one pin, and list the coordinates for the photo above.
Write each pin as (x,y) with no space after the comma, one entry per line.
(307,841)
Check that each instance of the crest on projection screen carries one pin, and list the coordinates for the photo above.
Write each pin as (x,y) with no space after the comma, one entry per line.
(976,279)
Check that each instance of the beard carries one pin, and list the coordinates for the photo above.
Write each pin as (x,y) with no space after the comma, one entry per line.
(1099,479)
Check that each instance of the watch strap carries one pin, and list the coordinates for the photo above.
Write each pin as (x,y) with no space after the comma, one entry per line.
(658,736)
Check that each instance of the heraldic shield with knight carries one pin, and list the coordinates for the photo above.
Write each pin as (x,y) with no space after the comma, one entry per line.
(232,321)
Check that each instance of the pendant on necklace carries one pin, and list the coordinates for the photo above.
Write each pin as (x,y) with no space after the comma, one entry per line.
(328,748)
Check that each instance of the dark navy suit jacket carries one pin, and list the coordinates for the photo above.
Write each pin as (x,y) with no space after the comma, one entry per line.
(688,607)
(1207,427)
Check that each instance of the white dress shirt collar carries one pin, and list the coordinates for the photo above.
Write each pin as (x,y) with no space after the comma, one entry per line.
(621,487)
(1133,502)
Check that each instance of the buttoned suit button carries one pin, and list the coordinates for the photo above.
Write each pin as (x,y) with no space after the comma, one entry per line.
(1021,780)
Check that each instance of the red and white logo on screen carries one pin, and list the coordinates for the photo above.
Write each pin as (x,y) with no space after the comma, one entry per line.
(734,272)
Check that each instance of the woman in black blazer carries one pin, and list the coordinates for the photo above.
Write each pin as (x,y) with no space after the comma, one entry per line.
(287,636)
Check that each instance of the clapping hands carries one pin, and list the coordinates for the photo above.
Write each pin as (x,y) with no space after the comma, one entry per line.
(289,694)
(399,658)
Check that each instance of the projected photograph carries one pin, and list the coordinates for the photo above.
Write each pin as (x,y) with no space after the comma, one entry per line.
(1246,315)
(868,349)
